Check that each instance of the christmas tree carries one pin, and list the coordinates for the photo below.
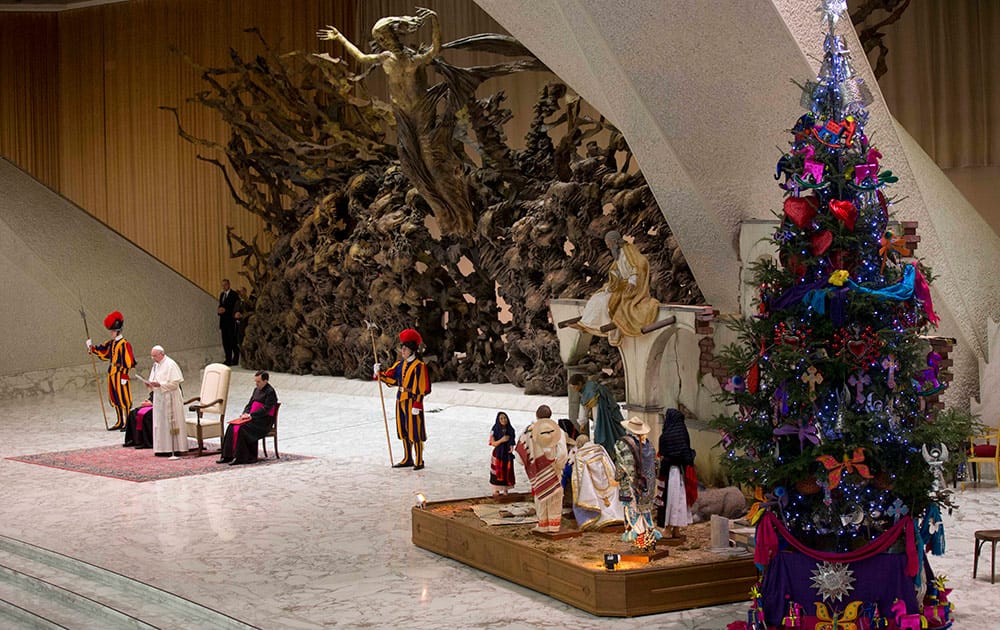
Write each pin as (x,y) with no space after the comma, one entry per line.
(832,375)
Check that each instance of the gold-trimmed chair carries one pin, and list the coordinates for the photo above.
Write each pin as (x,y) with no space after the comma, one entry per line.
(212,401)
(984,449)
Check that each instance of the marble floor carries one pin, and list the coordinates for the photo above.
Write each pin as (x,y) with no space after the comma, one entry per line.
(326,542)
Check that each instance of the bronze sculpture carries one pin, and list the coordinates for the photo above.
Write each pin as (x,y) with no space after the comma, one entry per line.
(348,237)
(424,138)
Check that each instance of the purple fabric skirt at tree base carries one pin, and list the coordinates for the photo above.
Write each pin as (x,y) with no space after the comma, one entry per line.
(880,579)
(877,580)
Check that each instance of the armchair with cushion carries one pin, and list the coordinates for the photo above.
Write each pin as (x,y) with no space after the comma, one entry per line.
(984,449)
(211,401)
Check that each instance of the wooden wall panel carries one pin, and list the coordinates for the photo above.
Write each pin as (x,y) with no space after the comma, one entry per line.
(121,158)
(83,176)
(82,88)
(29,138)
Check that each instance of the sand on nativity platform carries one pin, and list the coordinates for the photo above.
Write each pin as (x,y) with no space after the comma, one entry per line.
(572,570)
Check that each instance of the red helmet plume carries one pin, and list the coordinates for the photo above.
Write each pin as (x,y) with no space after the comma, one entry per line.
(410,336)
(114,321)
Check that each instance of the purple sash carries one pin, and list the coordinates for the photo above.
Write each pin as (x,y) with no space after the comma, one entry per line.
(139,416)
(254,408)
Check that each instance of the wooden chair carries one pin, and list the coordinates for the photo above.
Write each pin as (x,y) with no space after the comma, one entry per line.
(984,536)
(212,400)
(983,449)
(273,433)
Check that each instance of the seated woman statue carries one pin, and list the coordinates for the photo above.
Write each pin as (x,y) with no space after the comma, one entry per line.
(624,300)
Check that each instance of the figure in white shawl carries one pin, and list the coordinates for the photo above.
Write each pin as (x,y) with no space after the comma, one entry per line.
(542,451)
(169,430)
(595,491)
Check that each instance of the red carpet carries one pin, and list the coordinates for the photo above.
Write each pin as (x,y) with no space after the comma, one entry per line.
(140,465)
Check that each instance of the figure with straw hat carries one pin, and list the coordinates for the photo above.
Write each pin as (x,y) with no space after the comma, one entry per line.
(118,353)
(409,375)
(635,459)
(542,451)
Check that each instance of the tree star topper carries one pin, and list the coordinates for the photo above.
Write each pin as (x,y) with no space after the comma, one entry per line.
(833,10)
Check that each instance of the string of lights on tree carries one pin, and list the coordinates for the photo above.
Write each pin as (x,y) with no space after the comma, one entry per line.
(830,374)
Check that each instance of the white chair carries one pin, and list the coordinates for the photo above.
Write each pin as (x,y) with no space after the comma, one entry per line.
(214,394)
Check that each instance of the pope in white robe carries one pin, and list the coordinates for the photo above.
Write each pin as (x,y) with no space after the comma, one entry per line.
(169,430)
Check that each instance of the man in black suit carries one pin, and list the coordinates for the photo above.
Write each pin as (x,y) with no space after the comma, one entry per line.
(229,305)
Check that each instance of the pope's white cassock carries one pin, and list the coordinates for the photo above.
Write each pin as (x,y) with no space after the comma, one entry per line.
(169,431)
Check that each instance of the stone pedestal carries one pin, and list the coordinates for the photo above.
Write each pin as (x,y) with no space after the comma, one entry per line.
(661,366)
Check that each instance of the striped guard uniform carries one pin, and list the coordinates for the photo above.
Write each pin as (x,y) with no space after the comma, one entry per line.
(118,353)
(414,383)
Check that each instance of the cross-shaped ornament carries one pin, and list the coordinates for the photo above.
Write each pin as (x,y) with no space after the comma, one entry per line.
(890,363)
(858,382)
(812,377)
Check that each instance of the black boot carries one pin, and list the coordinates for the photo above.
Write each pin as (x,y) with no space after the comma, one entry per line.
(408,459)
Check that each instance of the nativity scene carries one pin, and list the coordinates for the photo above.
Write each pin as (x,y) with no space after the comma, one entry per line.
(420,213)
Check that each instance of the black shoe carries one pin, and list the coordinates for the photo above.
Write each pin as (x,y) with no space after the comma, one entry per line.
(418,467)
(116,428)
(223,460)
(142,446)
(402,465)
(128,444)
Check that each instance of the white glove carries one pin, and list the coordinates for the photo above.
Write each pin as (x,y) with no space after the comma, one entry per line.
(632,280)
(416,412)
(90,344)
(376,369)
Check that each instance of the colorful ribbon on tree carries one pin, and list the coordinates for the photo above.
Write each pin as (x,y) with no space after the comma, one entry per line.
(769,528)
(913,284)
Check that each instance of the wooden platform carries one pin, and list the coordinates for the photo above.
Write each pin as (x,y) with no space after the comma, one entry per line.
(573,570)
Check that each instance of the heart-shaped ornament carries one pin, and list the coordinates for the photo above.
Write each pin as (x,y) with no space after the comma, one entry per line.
(857,347)
(845,212)
(821,242)
(801,210)
(793,263)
